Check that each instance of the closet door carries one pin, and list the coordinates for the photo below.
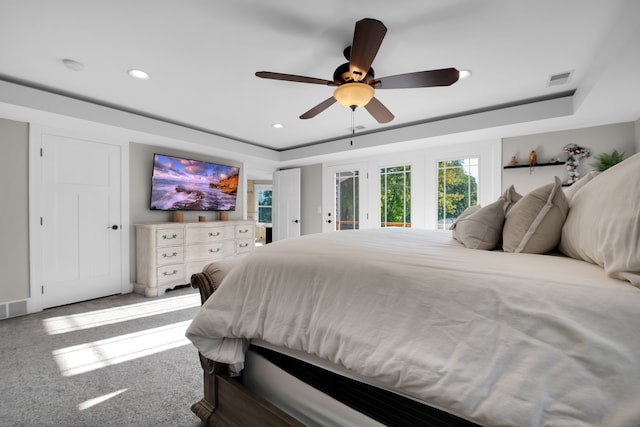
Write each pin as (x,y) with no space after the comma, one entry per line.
(81,226)
(286,204)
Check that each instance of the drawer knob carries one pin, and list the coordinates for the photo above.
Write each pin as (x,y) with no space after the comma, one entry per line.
(170,255)
(174,272)
(212,251)
(244,245)
(216,234)
(243,231)
(173,236)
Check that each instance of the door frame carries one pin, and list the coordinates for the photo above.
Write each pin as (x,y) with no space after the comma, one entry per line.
(36,301)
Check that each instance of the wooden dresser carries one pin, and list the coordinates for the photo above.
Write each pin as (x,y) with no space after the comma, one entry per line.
(168,253)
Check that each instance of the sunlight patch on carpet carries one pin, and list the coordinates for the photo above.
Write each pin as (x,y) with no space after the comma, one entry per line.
(79,359)
(97,400)
(109,316)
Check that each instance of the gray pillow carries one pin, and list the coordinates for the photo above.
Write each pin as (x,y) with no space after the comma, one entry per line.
(480,228)
(534,223)
(510,197)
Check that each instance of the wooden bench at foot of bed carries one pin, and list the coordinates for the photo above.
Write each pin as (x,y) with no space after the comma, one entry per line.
(226,401)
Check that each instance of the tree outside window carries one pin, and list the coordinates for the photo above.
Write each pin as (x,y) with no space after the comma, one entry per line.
(457,189)
(395,196)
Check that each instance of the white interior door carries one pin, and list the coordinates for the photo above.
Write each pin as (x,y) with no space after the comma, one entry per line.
(345,198)
(81,227)
(286,204)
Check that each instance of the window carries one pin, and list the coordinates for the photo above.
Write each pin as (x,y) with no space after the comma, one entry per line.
(395,196)
(457,189)
(263,202)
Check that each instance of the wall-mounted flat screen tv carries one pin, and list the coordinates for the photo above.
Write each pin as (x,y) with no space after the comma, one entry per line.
(180,184)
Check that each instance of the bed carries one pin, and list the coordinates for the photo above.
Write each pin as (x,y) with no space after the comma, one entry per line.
(526,314)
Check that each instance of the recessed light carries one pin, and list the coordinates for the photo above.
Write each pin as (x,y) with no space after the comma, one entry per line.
(138,74)
(73,65)
(463,74)
(277,125)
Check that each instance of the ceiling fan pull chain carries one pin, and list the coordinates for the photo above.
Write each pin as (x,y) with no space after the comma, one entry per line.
(353,128)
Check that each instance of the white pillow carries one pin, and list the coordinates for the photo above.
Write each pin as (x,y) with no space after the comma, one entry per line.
(603,225)
(534,223)
(573,189)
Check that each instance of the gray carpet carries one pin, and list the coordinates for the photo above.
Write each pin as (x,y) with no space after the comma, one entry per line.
(115,361)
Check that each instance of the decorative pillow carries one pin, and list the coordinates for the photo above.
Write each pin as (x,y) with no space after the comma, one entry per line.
(603,226)
(534,223)
(510,197)
(573,189)
(480,228)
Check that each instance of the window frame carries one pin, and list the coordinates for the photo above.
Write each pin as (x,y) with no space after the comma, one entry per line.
(466,170)
(257,188)
(407,170)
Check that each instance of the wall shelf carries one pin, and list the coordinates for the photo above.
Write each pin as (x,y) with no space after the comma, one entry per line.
(535,166)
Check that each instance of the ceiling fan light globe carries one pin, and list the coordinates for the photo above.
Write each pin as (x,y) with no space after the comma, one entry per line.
(353,94)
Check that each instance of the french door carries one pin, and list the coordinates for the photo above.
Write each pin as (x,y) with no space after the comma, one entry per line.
(345,198)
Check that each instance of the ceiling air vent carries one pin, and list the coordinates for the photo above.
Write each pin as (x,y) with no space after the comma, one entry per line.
(560,78)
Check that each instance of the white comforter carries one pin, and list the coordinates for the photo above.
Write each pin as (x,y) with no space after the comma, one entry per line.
(499,338)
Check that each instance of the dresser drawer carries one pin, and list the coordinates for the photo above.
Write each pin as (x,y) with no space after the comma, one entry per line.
(170,274)
(170,236)
(210,251)
(244,231)
(244,245)
(205,234)
(170,255)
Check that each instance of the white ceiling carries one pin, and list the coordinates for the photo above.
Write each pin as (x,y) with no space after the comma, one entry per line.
(202,56)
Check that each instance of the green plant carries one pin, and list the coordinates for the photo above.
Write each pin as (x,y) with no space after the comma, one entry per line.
(606,160)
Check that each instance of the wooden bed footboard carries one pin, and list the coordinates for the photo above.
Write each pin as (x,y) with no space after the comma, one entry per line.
(226,401)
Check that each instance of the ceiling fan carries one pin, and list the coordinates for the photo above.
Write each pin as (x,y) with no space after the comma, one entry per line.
(355,80)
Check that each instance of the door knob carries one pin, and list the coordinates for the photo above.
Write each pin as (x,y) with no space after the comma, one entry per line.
(113,227)
(329,221)
(296,221)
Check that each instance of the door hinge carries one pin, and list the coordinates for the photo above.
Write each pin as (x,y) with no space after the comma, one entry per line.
(41,221)
(42,289)
(41,151)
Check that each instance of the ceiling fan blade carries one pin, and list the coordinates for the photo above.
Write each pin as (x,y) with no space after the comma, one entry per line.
(319,108)
(294,78)
(367,39)
(442,77)
(379,111)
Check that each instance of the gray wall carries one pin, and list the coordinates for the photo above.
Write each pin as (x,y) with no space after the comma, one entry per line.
(311,199)
(140,170)
(14,214)
(597,139)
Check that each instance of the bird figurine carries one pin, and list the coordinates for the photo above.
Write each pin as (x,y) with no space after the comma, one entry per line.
(532,160)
